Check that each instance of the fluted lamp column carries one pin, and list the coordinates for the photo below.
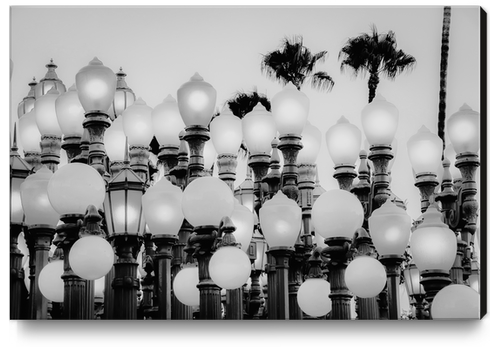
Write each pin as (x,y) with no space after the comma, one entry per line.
(389,226)
(206,200)
(162,209)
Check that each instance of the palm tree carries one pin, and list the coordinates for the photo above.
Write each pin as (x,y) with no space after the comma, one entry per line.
(441,118)
(375,54)
(293,62)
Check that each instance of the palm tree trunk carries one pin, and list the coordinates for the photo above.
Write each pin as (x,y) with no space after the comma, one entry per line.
(372,85)
(443,76)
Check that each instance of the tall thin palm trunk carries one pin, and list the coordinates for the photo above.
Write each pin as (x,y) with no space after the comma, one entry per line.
(443,76)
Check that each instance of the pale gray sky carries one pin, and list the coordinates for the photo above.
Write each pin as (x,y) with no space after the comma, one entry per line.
(160,48)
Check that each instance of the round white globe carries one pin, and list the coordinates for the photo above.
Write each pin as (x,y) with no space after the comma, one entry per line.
(313,297)
(365,277)
(91,257)
(50,283)
(456,301)
(185,286)
(230,267)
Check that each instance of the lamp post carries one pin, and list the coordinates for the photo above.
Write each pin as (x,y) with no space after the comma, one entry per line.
(123,96)
(257,249)
(49,81)
(415,290)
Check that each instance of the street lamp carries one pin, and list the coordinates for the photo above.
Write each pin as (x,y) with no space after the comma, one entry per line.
(123,96)
(415,289)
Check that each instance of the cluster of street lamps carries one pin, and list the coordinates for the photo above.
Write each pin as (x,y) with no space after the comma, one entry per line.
(278,246)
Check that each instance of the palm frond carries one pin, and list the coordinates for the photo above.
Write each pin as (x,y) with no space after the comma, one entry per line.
(322,81)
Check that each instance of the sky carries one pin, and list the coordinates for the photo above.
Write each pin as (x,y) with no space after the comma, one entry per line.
(160,48)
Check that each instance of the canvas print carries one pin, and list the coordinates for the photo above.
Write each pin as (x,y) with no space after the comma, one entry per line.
(247,163)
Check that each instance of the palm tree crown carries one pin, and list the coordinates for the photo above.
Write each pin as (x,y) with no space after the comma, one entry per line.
(294,62)
(376,54)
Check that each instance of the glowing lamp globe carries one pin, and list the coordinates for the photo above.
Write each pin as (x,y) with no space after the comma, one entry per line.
(167,122)
(229,267)
(196,100)
(51,285)
(389,227)
(450,154)
(379,121)
(75,186)
(226,132)
(365,277)
(70,113)
(425,151)
(46,118)
(259,129)
(456,301)
(209,155)
(280,218)
(313,297)
(206,200)
(29,134)
(91,257)
(243,219)
(115,140)
(337,213)
(432,231)
(463,130)
(290,109)
(34,193)
(343,142)
(96,85)
(311,140)
(185,286)
(137,123)
(162,208)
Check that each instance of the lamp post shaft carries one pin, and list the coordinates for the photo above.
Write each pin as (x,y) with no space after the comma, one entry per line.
(254,303)
(163,257)
(50,151)
(168,155)
(282,258)
(290,145)
(227,164)
(96,123)
(139,157)
(71,145)
(33,159)
(380,155)
(196,137)
(16,272)
(393,272)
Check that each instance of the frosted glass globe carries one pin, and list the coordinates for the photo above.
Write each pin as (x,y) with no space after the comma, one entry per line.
(115,140)
(137,123)
(29,134)
(243,219)
(91,257)
(313,297)
(337,213)
(74,187)
(259,129)
(425,151)
(185,286)
(456,301)
(463,130)
(196,100)
(226,132)
(209,154)
(343,142)
(162,208)
(280,218)
(365,277)
(290,109)
(379,121)
(50,283)
(70,113)
(206,200)
(311,140)
(46,118)
(34,197)
(229,267)
(167,122)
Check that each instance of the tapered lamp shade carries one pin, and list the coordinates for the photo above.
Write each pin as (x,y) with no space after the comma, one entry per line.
(463,130)
(243,219)
(411,274)
(365,277)
(259,129)
(49,81)
(115,140)
(123,96)
(226,132)
(425,151)
(167,122)
(313,297)
(96,85)
(280,218)
(343,142)
(35,201)
(290,109)
(185,286)
(229,267)
(379,121)
(162,208)
(91,257)
(74,187)
(311,140)
(389,227)
(337,213)
(432,231)
(209,154)
(70,113)
(206,200)
(137,123)
(46,118)
(51,285)
(456,301)
(196,100)
(29,134)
